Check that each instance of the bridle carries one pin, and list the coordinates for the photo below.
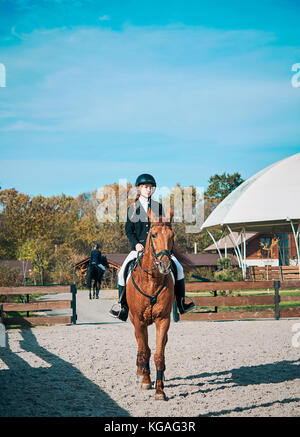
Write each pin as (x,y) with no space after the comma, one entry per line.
(157,256)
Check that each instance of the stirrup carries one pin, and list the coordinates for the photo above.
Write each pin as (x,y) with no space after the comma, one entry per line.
(115,312)
(187,307)
(120,313)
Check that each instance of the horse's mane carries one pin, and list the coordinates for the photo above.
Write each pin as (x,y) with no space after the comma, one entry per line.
(183,259)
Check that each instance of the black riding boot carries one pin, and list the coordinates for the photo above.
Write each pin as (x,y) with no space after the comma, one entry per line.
(180,296)
(122,313)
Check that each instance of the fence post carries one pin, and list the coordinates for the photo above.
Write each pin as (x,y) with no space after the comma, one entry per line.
(3,341)
(74,315)
(215,294)
(277,299)
(27,301)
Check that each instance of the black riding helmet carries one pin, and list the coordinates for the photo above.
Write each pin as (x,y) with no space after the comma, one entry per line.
(145,179)
(96,246)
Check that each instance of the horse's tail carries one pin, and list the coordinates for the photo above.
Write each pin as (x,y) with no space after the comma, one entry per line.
(183,259)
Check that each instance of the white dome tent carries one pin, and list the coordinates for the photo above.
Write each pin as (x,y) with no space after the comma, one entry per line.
(269,201)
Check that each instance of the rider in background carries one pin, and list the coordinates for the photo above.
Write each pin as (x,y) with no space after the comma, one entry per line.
(94,266)
(137,228)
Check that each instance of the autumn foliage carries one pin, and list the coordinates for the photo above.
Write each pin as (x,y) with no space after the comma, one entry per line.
(56,232)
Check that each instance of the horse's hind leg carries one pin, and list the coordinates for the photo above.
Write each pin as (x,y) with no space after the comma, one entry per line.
(162,327)
(98,284)
(143,356)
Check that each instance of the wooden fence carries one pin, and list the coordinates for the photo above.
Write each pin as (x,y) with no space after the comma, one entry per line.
(278,273)
(38,305)
(274,299)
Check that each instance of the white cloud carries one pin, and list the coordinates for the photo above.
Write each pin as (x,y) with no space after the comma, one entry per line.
(186,83)
(15,33)
(21,125)
(104,18)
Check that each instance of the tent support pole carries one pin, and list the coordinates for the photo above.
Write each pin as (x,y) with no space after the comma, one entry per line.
(216,244)
(297,243)
(237,251)
(245,249)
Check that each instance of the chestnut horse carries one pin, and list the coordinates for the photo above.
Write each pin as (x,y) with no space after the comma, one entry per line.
(150,296)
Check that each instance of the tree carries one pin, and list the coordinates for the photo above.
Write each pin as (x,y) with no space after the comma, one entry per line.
(222,185)
(219,187)
(40,253)
(14,221)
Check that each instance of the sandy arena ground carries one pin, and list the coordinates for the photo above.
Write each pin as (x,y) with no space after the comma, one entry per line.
(239,368)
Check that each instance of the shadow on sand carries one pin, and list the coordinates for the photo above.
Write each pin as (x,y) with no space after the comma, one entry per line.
(57,389)
(272,373)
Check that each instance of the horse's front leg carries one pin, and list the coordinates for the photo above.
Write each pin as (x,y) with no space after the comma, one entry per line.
(143,355)
(162,327)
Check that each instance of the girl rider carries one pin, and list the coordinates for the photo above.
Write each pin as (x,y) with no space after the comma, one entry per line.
(136,228)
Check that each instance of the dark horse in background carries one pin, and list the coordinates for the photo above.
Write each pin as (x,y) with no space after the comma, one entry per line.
(95,276)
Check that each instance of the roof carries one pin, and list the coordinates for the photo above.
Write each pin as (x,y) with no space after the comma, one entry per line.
(114,259)
(206,259)
(265,202)
(226,242)
(23,265)
(195,259)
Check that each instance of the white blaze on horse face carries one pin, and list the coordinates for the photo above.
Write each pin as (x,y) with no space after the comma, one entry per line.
(166,239)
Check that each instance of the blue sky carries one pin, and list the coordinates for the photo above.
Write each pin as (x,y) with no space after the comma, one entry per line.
(98,91)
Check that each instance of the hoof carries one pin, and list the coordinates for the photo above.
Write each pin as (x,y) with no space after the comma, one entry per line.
(146,386)
(160,397)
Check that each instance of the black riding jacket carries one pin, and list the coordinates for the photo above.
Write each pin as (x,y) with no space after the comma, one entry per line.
(138,224)
(95,257)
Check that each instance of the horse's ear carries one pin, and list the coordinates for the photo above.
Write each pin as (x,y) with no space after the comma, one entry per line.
(168,218)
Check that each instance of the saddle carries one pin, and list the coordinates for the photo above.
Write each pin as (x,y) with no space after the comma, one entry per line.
(96,272)
(133,263)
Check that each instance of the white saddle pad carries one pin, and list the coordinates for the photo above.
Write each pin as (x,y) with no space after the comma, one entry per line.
(170,272)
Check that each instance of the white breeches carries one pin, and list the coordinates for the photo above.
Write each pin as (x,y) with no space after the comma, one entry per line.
(133,254)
